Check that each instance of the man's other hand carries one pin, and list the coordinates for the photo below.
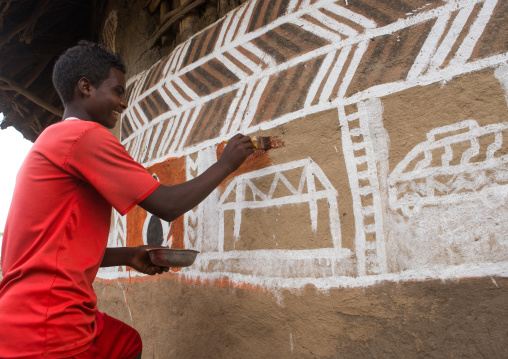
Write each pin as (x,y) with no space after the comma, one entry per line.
(140,261)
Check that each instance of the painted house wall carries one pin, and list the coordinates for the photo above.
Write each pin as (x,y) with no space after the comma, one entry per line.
(381,221)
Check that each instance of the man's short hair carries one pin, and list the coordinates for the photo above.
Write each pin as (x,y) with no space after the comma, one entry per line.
(86,59)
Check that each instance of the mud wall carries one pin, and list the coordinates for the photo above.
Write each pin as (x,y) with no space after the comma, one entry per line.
(377,230)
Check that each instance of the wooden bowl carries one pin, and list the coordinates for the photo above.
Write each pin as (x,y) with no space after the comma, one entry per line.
(172,257)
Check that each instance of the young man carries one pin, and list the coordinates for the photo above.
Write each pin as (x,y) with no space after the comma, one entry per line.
(57,228)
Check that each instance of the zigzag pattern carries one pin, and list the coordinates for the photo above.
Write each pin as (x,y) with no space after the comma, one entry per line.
(236,64)
(451,42)
(313,56)
(306,191)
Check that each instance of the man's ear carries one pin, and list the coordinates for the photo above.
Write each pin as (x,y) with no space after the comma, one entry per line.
(84,86)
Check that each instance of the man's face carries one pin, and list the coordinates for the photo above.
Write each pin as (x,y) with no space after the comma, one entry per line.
(107,102)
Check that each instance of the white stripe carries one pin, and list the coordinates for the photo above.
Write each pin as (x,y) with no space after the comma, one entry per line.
(366,190)
(361,159)
(353,116)
(144,144)
(182,55)
(127,117)
(175,93)
(231,111)
(232,67)
(136,146)
(334,75)
(127,146)
(355,61)
(188,91)
(245,60)
(334,24)
(323,69)
(465,50)
(291,7)
(263,56)
(178,134)
(358,146)
(195,115)
(169,101)
(304,5)
(428,47)
(254,103)
(317,30)
(177,52)
(225,25)
(234,24)
(135,118)
(155,138)
(166,139)
(248,14)
(137,88)
(168,64)
(370,228)
(172,138)
(451,37)
(350,15)
(241,109)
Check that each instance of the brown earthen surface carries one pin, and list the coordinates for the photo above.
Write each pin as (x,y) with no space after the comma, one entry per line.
(467,318)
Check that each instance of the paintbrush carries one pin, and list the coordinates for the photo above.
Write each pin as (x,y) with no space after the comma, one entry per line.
(265,142)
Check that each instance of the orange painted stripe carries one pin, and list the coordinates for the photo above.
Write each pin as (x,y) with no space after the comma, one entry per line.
(222,282)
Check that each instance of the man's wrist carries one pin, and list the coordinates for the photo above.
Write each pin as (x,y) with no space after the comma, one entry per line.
(130,255)
(224,168)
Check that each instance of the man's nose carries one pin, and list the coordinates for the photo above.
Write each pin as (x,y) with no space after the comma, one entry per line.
(124,103)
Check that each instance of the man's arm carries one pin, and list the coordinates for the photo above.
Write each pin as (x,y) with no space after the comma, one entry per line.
(170,202)
(135,257)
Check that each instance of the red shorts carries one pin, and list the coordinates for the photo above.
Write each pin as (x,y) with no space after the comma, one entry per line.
(114,340)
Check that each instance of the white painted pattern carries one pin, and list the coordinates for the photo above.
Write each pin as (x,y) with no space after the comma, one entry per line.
(363,144)
(416,77)
(410,190)
(306,192)
(327,267)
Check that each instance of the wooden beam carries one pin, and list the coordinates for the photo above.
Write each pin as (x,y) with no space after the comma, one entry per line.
(28,23)
(152,5)
(2,14)
(171,18)
(42,7)
(14,86)
(41,66)
(35,73)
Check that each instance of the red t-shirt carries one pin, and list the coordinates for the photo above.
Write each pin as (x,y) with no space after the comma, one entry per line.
(56,235)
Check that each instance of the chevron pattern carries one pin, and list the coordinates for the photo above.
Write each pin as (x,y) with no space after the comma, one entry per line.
(256,70)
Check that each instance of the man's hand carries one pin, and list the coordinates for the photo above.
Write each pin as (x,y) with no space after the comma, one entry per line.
(237,150)
(140,261)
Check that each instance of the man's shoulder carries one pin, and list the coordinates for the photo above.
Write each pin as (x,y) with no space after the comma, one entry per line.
(71,130)
(72,125)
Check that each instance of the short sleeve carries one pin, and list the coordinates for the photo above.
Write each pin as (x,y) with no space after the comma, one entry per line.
(98,158)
